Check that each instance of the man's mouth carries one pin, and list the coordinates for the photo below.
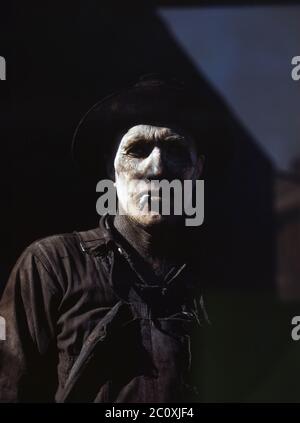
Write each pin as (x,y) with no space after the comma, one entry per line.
(148,198)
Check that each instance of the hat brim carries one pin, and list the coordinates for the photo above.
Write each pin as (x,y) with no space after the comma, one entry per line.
(98,133)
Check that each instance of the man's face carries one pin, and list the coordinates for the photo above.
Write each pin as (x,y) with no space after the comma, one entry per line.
(148,153)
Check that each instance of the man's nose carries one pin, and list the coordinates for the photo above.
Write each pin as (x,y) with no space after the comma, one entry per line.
(154,163)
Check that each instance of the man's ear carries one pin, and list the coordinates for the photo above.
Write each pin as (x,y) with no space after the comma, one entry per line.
(199,168)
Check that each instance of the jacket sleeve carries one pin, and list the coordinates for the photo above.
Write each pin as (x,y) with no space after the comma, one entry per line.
(28,354)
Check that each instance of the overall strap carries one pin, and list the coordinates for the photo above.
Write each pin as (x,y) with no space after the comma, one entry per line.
(119,313)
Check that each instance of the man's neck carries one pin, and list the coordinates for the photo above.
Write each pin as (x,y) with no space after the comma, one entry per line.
(161,247)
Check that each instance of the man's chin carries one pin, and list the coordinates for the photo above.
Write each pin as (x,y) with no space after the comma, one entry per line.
(154,219)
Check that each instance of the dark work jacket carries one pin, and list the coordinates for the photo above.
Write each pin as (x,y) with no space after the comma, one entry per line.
(83,325)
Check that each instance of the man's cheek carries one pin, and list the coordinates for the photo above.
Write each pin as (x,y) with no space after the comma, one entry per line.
(125,188)
(122,164)
(135,168)
(185,173)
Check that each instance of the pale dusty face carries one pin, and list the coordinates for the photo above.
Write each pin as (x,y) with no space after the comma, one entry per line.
(148,153)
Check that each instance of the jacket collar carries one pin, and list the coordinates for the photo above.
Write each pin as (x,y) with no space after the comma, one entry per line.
(98,241)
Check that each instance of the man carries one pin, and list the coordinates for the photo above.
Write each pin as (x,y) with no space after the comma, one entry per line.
(115,314)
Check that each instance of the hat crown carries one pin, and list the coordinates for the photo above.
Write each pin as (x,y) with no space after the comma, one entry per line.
(158,79)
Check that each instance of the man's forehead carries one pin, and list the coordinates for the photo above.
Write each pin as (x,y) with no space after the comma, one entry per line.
(150,132)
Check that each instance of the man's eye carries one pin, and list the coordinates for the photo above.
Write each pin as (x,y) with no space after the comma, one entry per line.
(178,152)
(140,150)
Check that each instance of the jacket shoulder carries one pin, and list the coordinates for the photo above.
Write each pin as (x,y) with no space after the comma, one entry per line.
(53,250)
(62,244)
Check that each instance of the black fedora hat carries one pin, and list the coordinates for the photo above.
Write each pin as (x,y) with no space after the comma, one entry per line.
(159,100)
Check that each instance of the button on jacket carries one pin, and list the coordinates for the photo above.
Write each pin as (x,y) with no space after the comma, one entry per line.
(83,325)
